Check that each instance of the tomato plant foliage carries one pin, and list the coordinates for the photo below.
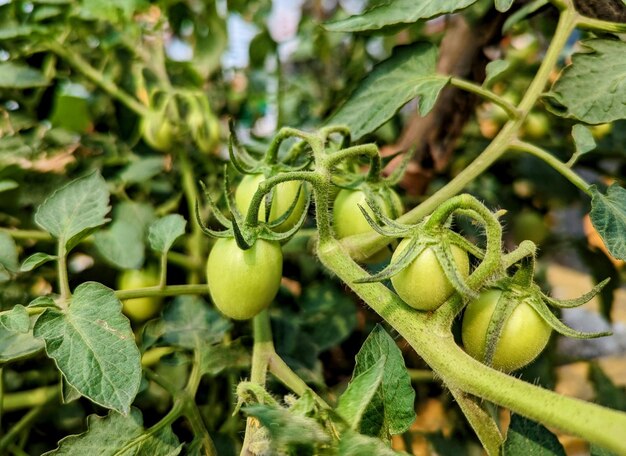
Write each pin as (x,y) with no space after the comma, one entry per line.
(326,223)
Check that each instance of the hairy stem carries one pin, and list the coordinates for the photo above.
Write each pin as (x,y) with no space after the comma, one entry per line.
(553,162)
(468,86)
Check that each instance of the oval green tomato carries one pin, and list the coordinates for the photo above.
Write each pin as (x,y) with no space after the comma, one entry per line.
(244,282)
(157,131)
(284,195)
(139,309)
(423,284)
(348,219)
(524,335)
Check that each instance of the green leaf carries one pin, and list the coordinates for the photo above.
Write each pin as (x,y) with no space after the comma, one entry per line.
(583,139)
(8,184)
(392,410)
(408,73)
(75,210)
(20,76)
(15,346)
(329,316)
(397,12)
(523,12)
(593,88)
(119,435)
(164,231)
(608,216)
(525,437)
(356,398)
(94,347)
(42,301)
(214,359)
(189,322)
(494,70)
(607,393)
(8,252)
(36,260)
(121,245)
(598,451)
(142,170)
(288,430)
(353,444)
(503,5)
(16,319)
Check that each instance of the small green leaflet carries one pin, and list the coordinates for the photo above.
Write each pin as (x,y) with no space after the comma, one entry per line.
(75,210)
(397,12)
(494,70)
(408,73)
(164,231)
(391,410)
(593,88)
(20,76)
(8,256)
(355,399)
(93,346)
(16,319)
(608,215)
(36,260)
(122,244)
(583,139)
(526,437)
(119,435)
(503,5)
(16,345)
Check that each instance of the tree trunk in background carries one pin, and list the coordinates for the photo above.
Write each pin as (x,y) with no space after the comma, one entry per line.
(461,54)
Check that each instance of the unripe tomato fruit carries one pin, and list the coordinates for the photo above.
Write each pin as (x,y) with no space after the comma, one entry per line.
(244,282)
(423,284)
(157,131)
(536,125)
(524,335)
(530,225)
(284,195)
(348,219)
(139,310)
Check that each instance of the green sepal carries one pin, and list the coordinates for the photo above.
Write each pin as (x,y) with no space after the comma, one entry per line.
(396,174)
(243,157)
(446,261)
(413,250)
(569,303)
(208,231)
(460,241)
(270,235)
(501,313)
(285,215)
(544,312)
(221,218)
(238,164)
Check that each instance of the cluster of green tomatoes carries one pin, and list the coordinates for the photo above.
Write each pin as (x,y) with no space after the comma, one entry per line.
(506,320)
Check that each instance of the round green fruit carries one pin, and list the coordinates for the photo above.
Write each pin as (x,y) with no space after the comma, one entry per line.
(242,283)
(139,310)
(423,284)
(524,335)
(284,195)
(348,219)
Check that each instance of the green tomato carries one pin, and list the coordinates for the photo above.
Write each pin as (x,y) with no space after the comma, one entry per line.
(348,219)
(536,125)
(205,130)
(530,225)
(284,194)
(524,335)
(157,131)
(139,310)
(423,284)
(244,282)
(601,130)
